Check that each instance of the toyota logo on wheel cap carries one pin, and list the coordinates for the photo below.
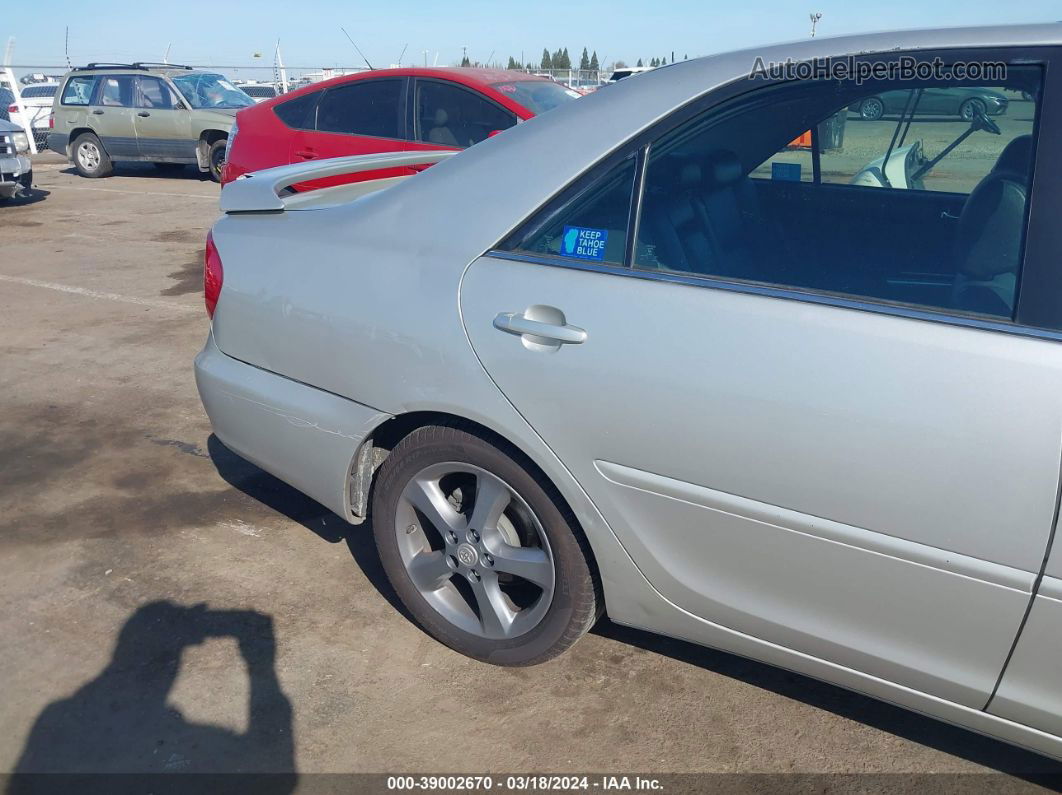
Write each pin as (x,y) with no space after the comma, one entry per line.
(466,554)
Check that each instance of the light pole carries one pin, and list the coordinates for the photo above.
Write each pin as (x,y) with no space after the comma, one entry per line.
(815,17)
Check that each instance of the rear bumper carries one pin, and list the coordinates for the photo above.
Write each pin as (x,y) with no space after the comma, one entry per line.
(57,142)
(305,437)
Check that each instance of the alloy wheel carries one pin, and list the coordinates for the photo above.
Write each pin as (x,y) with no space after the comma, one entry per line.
(872,109)
(475,551)
(88,155)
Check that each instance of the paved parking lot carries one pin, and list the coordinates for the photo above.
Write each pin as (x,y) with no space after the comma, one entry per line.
(167,606)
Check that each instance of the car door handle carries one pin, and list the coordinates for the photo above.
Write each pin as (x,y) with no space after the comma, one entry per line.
(97,113)
(516,323)
(306,154)
(143,113)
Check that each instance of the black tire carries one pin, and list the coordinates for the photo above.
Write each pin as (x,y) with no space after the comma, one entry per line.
(216,159)
(871,109)
(169,168)
(90,158)
(970,108)
(576,600)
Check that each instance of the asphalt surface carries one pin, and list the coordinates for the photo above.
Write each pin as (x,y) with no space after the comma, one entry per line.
(165,605)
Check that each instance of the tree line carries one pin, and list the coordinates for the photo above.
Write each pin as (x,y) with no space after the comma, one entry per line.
(559,59)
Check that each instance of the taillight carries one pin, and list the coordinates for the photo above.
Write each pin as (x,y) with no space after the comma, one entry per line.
(51,122)
(213,275)
(12,108)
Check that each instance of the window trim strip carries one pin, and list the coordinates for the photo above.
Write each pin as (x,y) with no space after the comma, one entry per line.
(790,294)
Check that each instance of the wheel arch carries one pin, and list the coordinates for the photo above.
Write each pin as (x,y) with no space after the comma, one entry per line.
(379,442)
(207,138)
(78,131)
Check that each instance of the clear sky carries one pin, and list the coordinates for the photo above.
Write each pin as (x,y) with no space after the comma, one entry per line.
(208,32)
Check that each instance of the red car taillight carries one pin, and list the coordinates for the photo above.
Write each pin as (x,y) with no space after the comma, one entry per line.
(213,275)
(12,108)
(51,122)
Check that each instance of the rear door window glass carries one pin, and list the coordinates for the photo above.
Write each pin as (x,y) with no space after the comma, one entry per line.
(154,93)
(923,205)
(116,91)
(363,107)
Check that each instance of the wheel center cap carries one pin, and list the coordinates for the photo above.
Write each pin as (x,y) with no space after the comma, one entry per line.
(466,554)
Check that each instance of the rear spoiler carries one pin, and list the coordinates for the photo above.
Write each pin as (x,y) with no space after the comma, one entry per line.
(259,192)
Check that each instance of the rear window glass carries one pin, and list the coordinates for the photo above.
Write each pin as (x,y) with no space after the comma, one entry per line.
(259,92)
(537,96)
(297,113)
(78,90)
(29,92)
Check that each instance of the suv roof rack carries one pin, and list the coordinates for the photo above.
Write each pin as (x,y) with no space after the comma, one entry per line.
(134,65)
(158,64)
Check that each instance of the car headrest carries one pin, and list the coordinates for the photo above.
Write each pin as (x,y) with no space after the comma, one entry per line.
(1016,156)
(722,169)
(441,117)
(989,233)
(676,171)
(689,175)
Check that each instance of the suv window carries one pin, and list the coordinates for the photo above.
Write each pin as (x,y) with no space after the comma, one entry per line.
(363,107)
(78,90)
(154,93)
(719,201)
(449,115)
(589,226)
(298,113)
(116,91)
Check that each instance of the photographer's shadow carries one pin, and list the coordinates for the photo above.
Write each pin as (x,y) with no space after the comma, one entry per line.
(120,721)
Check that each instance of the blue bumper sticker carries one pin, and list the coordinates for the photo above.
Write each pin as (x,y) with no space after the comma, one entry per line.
(786,172)
(584,243)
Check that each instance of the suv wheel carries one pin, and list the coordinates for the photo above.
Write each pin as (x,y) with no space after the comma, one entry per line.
(90,158)
(216,159)
(479,551)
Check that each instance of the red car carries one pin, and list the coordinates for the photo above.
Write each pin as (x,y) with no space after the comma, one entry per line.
(386,110)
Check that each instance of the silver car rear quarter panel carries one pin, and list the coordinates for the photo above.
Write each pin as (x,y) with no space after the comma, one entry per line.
(302,435)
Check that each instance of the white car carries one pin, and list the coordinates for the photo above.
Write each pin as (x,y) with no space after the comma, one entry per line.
(37,100)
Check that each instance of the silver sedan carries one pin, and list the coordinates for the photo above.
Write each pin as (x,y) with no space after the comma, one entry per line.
(659,355)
